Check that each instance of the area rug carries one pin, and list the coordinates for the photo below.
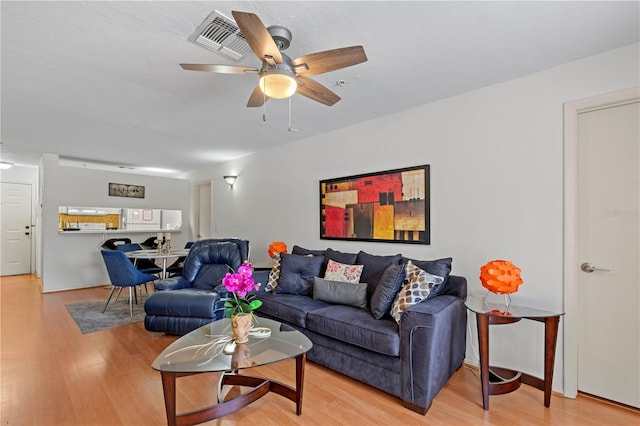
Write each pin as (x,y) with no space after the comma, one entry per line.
(89,316)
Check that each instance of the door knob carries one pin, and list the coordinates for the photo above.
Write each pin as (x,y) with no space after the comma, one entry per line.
(589,268)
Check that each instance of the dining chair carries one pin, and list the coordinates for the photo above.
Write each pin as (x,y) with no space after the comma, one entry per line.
(150,243)
(176,267)
(123,274)
(147,266)
(113,243)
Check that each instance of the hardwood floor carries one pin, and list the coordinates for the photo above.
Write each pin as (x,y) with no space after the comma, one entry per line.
(51,374)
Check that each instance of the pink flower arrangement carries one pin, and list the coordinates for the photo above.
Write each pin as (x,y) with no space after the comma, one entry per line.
(239,284)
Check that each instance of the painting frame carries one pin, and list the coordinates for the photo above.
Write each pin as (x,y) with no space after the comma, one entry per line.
(126,190)
(391,206)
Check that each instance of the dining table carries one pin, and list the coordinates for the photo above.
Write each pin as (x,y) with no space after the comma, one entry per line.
(155,254)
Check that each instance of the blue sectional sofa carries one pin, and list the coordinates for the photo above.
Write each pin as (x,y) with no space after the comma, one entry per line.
(412,358)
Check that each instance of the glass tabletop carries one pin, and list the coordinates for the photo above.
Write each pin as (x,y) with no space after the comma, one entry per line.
(494,306)
(211,348)
(155,254)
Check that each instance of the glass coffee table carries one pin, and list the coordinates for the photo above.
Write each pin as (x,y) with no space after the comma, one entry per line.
(210,348)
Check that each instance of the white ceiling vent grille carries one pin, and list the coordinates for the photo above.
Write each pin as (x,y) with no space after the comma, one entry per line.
(220,34)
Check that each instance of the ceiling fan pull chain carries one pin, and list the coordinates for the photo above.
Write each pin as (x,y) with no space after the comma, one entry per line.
(291,129)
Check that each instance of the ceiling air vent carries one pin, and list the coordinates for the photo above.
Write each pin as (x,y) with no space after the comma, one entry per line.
(220,34)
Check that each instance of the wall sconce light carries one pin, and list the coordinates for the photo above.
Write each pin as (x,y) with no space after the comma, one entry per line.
(230,179)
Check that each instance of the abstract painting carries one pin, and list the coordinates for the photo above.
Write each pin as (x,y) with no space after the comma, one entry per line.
(124,190)
(389,206)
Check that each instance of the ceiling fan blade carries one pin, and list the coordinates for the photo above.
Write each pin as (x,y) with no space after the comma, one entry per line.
(220,69)
(257,36)
(329,60)
(257,98)
(316,91)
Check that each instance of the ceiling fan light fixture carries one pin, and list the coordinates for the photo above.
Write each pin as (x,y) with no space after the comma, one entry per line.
(278,83)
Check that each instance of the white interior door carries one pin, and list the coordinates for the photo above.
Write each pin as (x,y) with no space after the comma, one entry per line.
(15,233)
(608,253)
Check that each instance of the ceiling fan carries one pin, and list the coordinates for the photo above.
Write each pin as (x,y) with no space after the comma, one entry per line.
(280,76)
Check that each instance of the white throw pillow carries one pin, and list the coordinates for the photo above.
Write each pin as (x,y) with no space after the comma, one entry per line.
(337,271)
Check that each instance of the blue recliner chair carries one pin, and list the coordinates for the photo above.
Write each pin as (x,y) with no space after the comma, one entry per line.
(183,303)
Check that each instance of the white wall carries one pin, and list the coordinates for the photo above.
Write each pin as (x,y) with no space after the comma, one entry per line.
(496,157)
(73,260)
(29,176)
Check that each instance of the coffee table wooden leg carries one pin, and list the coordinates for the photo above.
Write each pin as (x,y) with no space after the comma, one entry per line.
(169,389)
(300,363)
(550,339)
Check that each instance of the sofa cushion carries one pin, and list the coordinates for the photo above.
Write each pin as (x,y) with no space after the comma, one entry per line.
(303,251)
(274,274)
(438,267)
(337,271)
(357,327)
(307,252)
(374,266)
(386,290)
(416,287)
(297,273)
(338,256)
(288,307)
(340,292)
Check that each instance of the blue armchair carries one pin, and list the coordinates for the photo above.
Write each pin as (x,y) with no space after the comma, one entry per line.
(183,303)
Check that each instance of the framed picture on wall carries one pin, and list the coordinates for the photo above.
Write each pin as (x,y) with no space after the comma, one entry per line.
(124,190)
(390,206)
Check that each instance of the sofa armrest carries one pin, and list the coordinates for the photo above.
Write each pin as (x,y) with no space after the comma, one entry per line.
(432,348)
(456,286)
(174,283)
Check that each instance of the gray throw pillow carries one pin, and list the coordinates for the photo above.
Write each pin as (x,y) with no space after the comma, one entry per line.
(386,290)
(341,293)
(297,273)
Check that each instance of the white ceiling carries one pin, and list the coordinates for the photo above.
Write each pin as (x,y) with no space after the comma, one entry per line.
(100,81)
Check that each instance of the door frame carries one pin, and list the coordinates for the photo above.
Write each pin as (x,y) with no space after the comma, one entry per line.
(571,261)
(196,206)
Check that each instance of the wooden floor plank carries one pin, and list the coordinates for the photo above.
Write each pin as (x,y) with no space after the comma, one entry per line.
(52,374)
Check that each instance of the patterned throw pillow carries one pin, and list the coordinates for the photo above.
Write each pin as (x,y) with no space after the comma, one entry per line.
(337,271)
(272,282)
(416,287)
